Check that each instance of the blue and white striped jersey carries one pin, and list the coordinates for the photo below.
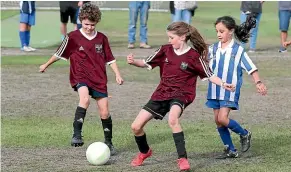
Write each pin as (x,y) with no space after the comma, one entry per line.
(228,64)
(27,7)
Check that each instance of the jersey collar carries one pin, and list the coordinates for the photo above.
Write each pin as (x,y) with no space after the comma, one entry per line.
(88,37)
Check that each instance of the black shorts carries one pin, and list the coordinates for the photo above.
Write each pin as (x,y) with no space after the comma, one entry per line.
(159,109)
(67,12)
(93,93)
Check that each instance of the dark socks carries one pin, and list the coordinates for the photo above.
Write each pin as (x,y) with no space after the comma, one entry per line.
(142,144)
(107,128)
(79,120)
(180,144)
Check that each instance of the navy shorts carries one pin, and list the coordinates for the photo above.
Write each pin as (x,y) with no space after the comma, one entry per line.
(159,109)
(217,104)
(93,93)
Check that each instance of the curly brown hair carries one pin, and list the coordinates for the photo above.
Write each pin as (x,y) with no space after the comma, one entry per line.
(91,12)
(192,34)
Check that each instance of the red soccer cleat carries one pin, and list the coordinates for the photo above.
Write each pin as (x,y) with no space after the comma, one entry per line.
(183,164)
(138,160)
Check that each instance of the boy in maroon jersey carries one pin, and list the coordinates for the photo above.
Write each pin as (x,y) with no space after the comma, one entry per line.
(180,65)
(89,52)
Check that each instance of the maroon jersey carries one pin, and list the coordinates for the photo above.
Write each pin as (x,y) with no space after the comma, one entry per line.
(178,73)
(88,59)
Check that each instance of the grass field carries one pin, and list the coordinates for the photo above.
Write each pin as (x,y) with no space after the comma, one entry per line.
(37,109)
(41,106)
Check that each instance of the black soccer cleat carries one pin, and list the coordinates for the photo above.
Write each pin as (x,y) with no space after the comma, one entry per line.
(77,141)
(111,147)
(245,141)
(228,154)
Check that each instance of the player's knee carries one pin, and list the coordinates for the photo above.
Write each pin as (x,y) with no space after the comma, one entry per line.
(84,101)
(104,113)
(173,122)
(136,129)
(222,120)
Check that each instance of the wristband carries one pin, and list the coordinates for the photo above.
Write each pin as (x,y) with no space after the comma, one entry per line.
(258,82)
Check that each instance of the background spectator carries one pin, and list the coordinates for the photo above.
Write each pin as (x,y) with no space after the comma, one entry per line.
(27,19)
(284,21)
(68,9)
(182,10)
(253,9)
(136,7)
(80,4)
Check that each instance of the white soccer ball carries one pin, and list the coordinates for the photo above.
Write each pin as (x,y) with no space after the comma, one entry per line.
(98,153)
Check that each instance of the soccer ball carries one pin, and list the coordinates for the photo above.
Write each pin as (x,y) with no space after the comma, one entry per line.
(98,153)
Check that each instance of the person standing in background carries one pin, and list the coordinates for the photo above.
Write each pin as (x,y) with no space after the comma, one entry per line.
(80,4)
(182,10)
(134,8)
(251,9)
(68,9)
(27,19)
(284,21)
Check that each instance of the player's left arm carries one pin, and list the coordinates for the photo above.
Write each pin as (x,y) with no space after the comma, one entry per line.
(262,89)
(248,65)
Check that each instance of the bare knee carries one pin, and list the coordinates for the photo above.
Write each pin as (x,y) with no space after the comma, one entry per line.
(104,113)
(222,120)
(84,101)
(136,128)
(173,122)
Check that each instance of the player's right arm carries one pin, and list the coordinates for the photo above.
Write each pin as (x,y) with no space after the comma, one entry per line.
(135,62)
(63,52)
(43,67)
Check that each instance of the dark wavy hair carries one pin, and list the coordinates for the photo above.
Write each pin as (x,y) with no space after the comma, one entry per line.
(241,32)
(192,34)
(91,12)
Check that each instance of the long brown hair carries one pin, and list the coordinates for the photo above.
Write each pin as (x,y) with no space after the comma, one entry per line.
(192,34)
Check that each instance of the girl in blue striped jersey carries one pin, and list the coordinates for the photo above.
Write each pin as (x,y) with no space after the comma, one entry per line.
(228,59)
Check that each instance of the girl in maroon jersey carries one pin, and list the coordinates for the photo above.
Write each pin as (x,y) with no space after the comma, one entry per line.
(88,52)
(180,65)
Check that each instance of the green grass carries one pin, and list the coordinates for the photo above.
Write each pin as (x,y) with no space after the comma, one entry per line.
(8,13)
(115,23)
(270,150)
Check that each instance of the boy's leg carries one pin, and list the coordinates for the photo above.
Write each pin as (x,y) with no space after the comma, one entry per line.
(178,134)
(106,120)
(80,116)
(140,137)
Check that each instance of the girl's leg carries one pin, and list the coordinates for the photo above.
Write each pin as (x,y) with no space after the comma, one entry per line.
(140,137)
(80,116)
(223,132)
(178,136)
(245,135)
(230,123)
(137,128)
